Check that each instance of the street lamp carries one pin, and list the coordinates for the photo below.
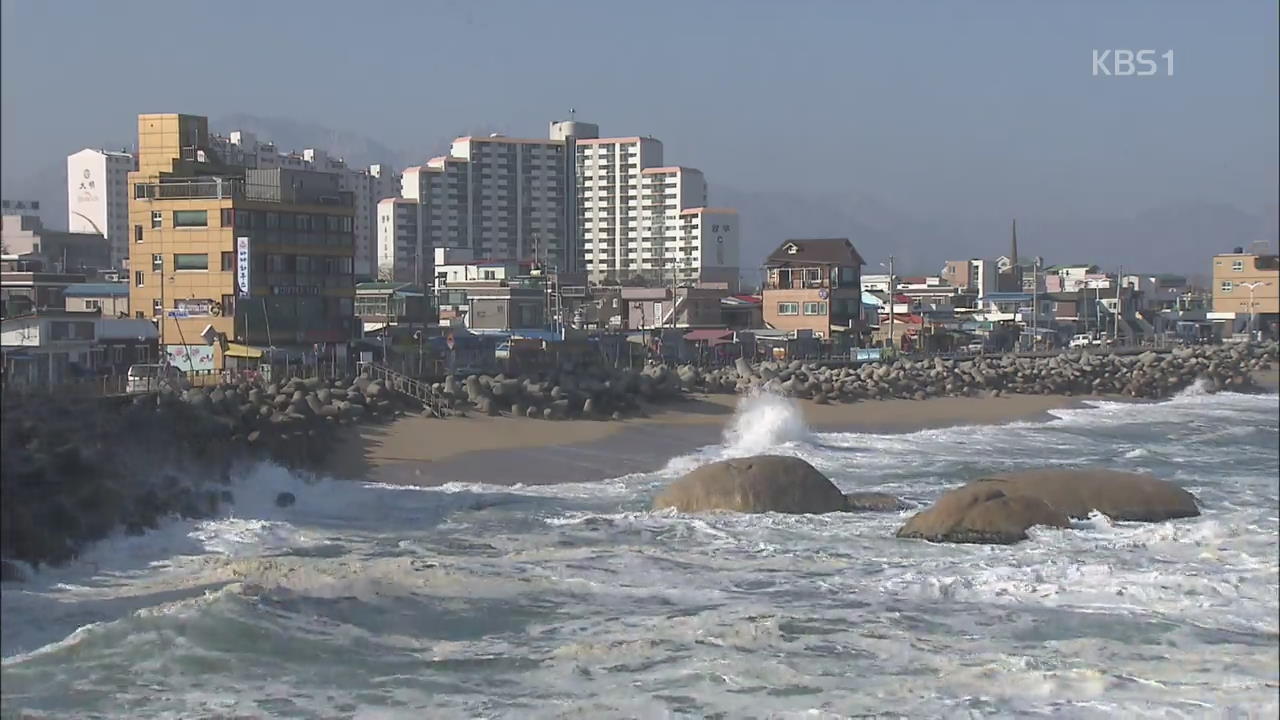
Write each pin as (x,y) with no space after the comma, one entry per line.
(417,335)
(1252,314)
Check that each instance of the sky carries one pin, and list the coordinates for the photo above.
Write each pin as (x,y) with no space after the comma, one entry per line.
(977,109)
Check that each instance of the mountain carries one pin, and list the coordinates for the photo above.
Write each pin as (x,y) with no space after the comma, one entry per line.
(1176,238)
(290,135)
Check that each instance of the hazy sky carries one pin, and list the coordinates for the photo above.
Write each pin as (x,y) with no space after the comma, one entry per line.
(978,109)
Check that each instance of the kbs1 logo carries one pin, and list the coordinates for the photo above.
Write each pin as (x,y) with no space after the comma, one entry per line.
(1126,63)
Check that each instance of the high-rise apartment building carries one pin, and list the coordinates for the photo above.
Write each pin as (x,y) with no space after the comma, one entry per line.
(575,202)
(264,256)
(499,197)
(98,198)
(642,219)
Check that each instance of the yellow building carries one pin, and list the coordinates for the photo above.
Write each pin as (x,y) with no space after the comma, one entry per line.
(1241,278)
(265,257)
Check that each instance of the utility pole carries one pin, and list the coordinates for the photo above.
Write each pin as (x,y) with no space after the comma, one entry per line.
(892,303)
(1115,333)
(1035,303)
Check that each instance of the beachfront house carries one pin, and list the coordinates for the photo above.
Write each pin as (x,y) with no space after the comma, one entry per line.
(815,285)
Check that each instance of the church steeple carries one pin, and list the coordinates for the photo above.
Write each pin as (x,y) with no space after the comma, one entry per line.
(1013,251)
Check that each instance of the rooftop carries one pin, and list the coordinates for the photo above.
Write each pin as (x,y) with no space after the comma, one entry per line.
(97,290)
(829,251)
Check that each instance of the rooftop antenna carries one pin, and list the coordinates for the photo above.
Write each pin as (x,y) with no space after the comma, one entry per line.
(572,114)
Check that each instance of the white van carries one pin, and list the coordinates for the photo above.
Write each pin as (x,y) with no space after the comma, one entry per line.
(149,377)
(1084,340)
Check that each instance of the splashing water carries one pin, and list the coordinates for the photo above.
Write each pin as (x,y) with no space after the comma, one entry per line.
(1200,388)
(762,421)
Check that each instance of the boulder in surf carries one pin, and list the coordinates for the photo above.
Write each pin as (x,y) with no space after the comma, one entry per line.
(981,512)
(1122,496)
(763,483)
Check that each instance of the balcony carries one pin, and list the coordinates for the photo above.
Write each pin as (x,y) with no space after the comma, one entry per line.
(232,188)
(785,283)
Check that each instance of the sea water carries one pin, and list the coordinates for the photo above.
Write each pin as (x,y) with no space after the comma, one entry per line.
(375,601)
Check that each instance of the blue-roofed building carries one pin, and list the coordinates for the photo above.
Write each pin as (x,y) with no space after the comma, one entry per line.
(111,299)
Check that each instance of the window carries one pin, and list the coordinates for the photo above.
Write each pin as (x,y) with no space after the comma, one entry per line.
(273,221)
(228,262)
(137,233)
(815,308)
(139,279)
(157,219)
(156,308)
(490,275)
(191,261)
(1226,286)
(190,218)
(1237,266)
(347,224)
(228,305)
(788,308)
(139,315)
(157,262)
(276,264)
(92,304)
(227,217)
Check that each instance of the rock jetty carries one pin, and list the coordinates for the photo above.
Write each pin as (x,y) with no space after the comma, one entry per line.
(1149,375)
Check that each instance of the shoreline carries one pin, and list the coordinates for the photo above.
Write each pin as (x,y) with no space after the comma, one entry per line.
(425,452)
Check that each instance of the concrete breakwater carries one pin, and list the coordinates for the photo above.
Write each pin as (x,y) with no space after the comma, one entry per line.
(72,470)
(1149,375)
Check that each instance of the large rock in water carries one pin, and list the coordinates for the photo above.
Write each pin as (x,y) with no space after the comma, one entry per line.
(981,512)
(764,483)
(1000,509)
(1123,496)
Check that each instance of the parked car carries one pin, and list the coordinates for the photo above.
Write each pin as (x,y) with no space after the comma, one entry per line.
(976,346)
(1084,340)
(149,377)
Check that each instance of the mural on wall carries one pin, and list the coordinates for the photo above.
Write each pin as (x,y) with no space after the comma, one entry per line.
(190,358)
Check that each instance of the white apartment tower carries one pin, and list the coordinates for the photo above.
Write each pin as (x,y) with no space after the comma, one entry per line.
(98,198)
(575,201)
(641,218)
(500,198)
(402,254)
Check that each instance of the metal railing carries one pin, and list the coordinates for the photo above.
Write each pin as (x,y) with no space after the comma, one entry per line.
(401,383)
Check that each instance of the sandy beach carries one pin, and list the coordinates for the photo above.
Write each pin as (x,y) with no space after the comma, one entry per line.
(415,450)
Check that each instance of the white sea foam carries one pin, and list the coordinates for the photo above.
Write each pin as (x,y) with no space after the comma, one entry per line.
(477,600)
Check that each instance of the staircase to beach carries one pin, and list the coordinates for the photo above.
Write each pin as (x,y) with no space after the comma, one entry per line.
(403,384)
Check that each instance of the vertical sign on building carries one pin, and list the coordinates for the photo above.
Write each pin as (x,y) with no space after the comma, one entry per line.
(242,266)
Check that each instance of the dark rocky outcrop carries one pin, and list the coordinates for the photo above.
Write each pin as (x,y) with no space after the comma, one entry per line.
(72,470)
(981,512)
(764,483)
